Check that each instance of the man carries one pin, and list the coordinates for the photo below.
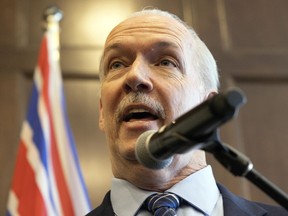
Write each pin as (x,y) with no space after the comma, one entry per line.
(154,69)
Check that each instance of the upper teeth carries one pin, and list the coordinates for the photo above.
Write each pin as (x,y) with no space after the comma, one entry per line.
(137,110)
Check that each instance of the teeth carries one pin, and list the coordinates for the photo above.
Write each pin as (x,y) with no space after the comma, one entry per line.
(137,111)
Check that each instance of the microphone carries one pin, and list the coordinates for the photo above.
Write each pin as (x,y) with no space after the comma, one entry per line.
(191,131)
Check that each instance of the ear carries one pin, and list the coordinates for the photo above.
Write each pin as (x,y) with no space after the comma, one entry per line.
(211,94)
(101,116)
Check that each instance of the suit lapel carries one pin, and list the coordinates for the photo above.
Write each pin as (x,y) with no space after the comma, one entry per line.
(234,205)
(104,209)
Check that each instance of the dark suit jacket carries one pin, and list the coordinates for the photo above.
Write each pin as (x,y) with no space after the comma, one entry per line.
(233,206)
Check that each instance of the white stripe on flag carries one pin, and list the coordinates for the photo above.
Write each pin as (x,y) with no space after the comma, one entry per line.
(45,125)
(75,187)
(37,166)
(13,204)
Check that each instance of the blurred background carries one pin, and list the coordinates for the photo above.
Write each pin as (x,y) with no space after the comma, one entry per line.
(249,40)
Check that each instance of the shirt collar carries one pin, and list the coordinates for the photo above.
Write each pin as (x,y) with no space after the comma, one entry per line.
(126,198)
(198,189)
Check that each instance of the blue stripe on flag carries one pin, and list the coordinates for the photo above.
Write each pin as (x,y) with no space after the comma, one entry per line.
(38,135)
(73,148)
(34,121)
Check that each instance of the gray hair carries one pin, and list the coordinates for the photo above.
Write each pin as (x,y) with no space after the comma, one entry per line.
(203,60)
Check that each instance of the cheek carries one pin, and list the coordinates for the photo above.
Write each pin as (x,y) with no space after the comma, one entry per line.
(107,112)
(107,107)
(183,99)
(110,94)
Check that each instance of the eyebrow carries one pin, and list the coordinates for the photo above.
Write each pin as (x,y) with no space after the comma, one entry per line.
(165,44)
(112,47)
(158,44)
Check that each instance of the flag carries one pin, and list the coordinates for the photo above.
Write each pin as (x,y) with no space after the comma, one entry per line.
(47,177)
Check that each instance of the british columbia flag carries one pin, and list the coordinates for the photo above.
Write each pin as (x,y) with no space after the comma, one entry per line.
(47,177)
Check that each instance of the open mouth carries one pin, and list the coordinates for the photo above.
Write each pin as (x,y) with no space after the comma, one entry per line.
(139,114)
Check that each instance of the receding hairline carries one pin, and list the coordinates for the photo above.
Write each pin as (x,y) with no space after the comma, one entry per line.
(207,64)
(157,12)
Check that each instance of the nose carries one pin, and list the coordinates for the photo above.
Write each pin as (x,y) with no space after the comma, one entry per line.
(138,77)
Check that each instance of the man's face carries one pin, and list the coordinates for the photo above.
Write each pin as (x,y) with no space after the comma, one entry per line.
(148,82)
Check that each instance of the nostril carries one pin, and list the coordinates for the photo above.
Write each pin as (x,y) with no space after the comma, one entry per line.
(127,88)
(143,87)
(138,85)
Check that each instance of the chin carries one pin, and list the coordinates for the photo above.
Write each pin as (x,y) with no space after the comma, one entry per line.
(128,154)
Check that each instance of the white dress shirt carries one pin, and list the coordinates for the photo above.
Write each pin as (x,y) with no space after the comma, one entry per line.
(199,190)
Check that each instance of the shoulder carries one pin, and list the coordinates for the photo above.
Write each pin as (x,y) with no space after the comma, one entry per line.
(104,209)
(233,203)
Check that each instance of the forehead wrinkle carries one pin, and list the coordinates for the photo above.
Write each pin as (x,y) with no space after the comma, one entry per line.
(148,25)
(156,22)
(154,45)
(146,31)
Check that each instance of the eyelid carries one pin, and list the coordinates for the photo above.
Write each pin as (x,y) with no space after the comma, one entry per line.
(171,60)
(113,61)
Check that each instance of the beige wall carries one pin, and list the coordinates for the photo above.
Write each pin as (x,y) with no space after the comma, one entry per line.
(248,39)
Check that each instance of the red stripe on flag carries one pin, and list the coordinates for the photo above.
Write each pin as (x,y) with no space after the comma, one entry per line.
(65,198)
(24,186)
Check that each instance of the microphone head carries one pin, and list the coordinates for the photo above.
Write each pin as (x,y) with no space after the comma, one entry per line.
(143,153)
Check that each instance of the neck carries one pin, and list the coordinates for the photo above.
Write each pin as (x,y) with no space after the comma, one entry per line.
(161,180)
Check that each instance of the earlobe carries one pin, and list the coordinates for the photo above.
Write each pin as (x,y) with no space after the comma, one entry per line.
(101,116)
(211,94)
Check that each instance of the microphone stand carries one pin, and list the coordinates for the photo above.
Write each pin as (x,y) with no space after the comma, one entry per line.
(221,109)
(240,165)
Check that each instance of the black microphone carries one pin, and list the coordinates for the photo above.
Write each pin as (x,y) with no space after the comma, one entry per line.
(193,130)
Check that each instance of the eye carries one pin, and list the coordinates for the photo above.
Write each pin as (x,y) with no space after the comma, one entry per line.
(116,65)
(167,63)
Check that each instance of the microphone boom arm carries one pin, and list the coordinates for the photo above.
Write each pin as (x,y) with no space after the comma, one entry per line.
(240,165)
(198,129)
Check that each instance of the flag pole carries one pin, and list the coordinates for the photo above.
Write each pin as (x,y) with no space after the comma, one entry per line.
(47,177)
(52,17)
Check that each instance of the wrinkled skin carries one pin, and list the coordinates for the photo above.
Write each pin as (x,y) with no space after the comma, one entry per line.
(150,55)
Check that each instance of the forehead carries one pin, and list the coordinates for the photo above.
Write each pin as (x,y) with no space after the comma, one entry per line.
(148,27)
